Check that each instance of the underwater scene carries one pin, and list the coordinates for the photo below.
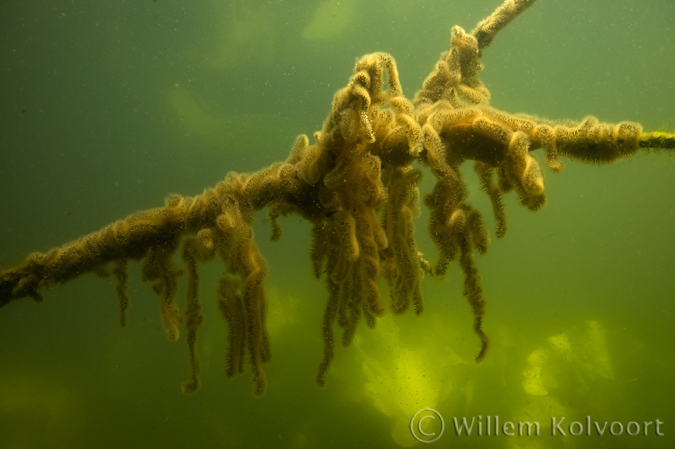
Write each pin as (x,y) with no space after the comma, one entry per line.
(109,107)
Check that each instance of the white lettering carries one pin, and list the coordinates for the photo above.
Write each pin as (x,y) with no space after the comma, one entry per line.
(576,428)
(419,426)
(529,428)
(463,426)
(637,428)
(614,432)
(601,431)
(555,426)
(647,424)
(507,428)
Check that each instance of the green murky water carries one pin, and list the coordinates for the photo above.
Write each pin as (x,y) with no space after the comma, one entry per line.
(106,108)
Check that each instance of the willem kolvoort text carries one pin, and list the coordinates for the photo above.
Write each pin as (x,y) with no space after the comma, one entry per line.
(491,426)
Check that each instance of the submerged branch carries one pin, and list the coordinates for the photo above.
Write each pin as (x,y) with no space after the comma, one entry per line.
(356,186)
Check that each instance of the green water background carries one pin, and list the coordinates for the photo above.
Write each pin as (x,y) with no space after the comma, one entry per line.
(91,129)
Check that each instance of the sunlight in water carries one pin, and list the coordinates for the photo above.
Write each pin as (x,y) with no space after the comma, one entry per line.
(331,19)
(405,376)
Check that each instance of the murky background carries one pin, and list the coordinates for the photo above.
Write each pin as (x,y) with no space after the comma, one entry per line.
(108,106)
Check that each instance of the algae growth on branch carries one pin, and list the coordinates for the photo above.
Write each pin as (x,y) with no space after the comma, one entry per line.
(356,185)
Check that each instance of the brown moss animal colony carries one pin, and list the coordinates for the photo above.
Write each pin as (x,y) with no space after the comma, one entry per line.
(356,186)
